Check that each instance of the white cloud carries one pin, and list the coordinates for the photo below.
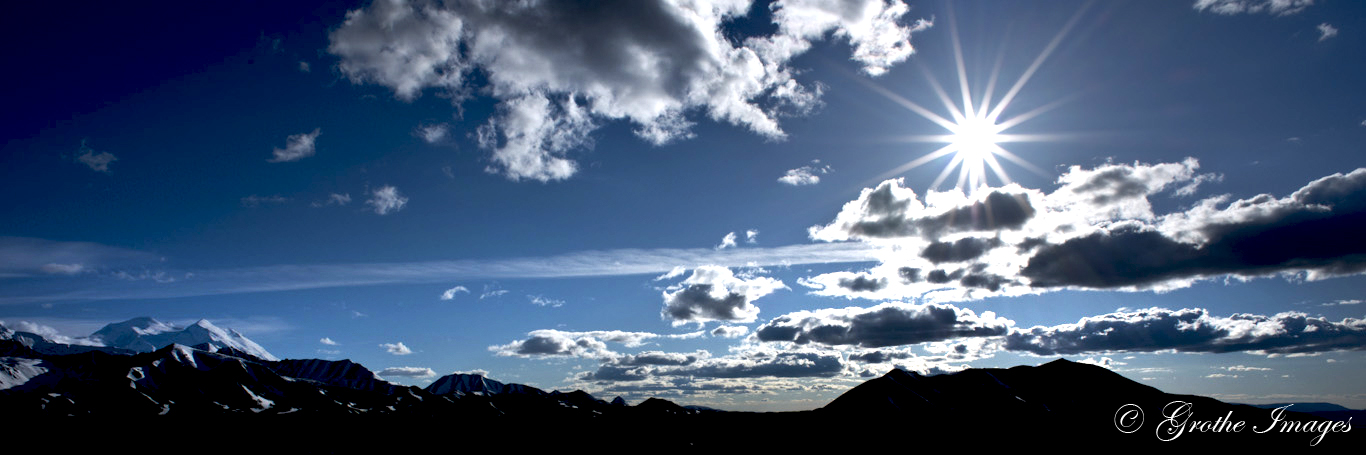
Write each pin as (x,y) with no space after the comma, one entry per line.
(334,199)
(63,269)
(713,293)
(491,293)
(730,331)
(98,162)
(543,301)
(297,147)
(50,333)
(386,199)
(888,324)
(450,293)
(327,341)
(752,236)
(1192,330)
(433,133)
(254,201)
(407,372)
(1098,230)
(805,175)
(727,242)
(396,348)
(26,256)
(675,272)
(1245,368)
(1276,7)
(1327,31)
(556,80)
(557,343)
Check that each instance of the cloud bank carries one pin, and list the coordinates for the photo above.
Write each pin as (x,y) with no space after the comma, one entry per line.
(560,70)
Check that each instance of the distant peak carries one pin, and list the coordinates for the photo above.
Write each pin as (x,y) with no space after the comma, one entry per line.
(140,321)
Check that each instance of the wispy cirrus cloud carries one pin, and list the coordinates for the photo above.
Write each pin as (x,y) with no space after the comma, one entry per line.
(30,255)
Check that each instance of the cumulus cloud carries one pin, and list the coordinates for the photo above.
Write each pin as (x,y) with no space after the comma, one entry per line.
(1258,236)
(297,147)
(433,133)
(98,162)
(749,363)
(557,343)
(450,293)
(1327,31)
(805,175)
(727,242)
(893,211)
(396,348)
(407,372)
(713,293)
(1096,230)
(888,324)
(559,70)
(752,236)
(1275,7)
(730,331)
(1192,330)
(386,199)
(327,341)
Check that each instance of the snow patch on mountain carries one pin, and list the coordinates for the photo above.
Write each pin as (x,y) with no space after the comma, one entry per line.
(17,371)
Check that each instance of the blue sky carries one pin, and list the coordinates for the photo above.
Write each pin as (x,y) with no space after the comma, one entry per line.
(709,202)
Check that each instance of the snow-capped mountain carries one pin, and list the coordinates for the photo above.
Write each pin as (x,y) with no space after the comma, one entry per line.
(43,345)
(145,334)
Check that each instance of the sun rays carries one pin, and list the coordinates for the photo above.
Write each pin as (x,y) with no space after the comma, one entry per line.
(975,128)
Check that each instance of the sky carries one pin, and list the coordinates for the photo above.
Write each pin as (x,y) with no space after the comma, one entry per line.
(743,205)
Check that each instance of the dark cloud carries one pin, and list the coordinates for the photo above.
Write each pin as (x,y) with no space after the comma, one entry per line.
(1113,184)
(909,274)
(999,210)
(863,283)
(880,356)
(940,276)
(713,293)
(1192,330)
(1318,228)
(657,358)
(556,343)
(988,281)
(891,324)
(961,250)
(892,211)
(780,365)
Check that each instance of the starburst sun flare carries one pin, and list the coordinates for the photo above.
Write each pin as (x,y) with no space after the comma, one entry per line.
(975,130)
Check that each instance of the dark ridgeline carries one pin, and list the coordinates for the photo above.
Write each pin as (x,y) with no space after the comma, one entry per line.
(202,395)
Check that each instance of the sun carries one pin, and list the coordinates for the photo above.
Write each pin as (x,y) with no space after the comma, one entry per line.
(974,125)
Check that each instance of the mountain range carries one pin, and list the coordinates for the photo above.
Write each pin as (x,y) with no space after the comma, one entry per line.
(137,375)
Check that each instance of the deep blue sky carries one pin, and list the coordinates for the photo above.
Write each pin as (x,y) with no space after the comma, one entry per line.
(264,166)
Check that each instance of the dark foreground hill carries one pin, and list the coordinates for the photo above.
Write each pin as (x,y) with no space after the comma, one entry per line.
(221,399)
